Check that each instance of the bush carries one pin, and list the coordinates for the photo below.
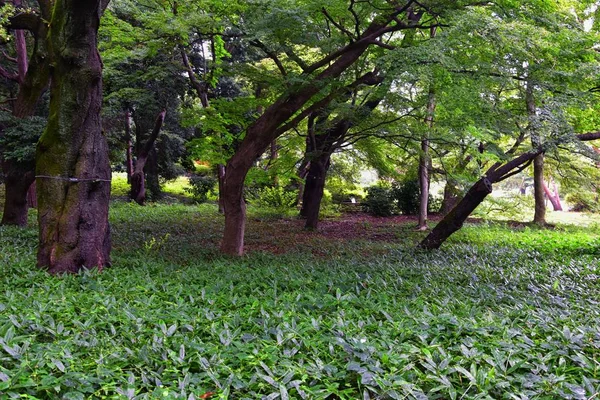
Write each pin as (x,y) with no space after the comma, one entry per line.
(406,194)
(583,201)
(200,186)
(379,201)
(274,196)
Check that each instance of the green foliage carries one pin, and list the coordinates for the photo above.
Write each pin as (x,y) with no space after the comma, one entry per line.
(200,186)
(406,193)
(502,312)
(583,201)
(274,196)
(19,137)
(379,201)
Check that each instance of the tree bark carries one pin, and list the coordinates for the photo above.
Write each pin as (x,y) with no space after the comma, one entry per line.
(72,155)
(459,214)
(424,164)
(538,163)
(221,180)
(138,178)
(129,151)
(314,188)
(451,198)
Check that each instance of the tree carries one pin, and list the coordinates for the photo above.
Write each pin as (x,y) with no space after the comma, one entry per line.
(32,78)
(72,167)
(314,80)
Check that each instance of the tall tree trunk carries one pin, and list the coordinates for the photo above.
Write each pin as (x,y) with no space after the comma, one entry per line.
(538,163)
(32,195)
(72,155)
(424,163)
(32,77)
(313,190)
(138,178)
(129,151)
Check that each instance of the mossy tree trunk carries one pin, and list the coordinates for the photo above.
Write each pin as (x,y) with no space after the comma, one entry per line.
(72,164)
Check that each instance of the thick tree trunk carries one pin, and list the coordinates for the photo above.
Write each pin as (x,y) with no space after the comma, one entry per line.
(72,156)
(459,214)
(16,186)
(313,190)
(138,178)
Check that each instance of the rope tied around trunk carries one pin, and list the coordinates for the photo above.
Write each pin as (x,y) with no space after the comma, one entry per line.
(72,179)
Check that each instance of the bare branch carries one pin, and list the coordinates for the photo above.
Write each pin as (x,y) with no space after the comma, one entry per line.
(272,55)
(338,25)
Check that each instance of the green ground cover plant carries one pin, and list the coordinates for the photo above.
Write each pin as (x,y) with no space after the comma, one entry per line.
(501,311)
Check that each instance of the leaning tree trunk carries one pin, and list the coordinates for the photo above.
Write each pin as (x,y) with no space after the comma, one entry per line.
(138,178)
(479,191)
(313,190)
(458,215)
(72,155)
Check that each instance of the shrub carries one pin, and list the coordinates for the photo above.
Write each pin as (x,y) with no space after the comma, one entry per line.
(379,201)
(583,201)
(407,195)
(274,196)
(200,186)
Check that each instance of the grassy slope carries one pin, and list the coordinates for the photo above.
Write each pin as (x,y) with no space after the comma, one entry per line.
(497,313)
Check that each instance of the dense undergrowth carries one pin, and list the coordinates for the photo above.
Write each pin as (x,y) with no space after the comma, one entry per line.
(499,312)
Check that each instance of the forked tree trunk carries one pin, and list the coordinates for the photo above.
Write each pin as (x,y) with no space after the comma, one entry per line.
(553,197)
(138,178)
(72,155)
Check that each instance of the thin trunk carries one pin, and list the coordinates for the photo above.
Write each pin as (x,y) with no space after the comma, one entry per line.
(424,161)
(221,178)
(538,163)
(138,178)
(424,164)
(129,151)
(273,156)
(73,170)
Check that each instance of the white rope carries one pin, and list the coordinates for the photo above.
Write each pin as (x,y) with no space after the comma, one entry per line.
(71,179)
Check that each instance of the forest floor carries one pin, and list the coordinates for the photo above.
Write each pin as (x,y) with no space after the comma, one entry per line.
(353,310)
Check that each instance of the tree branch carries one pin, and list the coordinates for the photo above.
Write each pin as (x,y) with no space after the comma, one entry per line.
(272,55)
